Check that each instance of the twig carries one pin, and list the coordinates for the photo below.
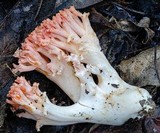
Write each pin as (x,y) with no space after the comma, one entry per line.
(15,75)
(39,8)
(134,39)
(126,8)
(155,62)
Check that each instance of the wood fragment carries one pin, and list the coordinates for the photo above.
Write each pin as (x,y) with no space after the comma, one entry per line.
(126,8)
(39,8)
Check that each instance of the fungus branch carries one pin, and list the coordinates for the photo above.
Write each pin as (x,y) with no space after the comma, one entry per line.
(66,50)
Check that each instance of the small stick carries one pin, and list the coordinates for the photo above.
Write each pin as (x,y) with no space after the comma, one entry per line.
(39,8)
(126,8)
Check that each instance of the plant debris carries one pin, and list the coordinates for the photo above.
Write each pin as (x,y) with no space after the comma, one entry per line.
(140,69)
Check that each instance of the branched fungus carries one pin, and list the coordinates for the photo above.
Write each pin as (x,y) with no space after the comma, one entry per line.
(66,50)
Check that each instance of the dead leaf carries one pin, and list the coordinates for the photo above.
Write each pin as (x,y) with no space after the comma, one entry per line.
(140,70)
